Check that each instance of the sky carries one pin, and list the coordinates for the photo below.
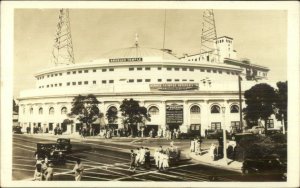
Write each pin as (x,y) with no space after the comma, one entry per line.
(259,35)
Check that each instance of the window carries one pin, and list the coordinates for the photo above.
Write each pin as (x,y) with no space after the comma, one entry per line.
(131,80)
(159,80)
(147,80)
(86,82)
(103,70)
(228,72)
(270,123)
(215,125)
(169,80)
(80,71)
(60,74)
(74,72)
(139,68)
(31,111)
(184,80)
(153,110)
(79,83)
(51,75)
(208,70)
(195,127)
(103,81)
(47,85)
(51,111)
(147,68)
(131,68)
(68,73)
(215,109)
(214,71)
(73,83)
(234,109)
(195,110)
(184,69)
(176,69)
(55,85)
(202,70)
(191,80)
(94,82)
(176,80)
(158,68)
(220,72)
(63,110)
(139,80)
(60,84)
(40,111)
(68,83)
(86,71)
(51,85)
(169,68)
(191,69)
(111,69)
(47,76)
(111,81)
(235,126)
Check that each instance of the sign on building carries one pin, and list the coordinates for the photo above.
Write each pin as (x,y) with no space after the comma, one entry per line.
(126,59)
(174,114)
(174,86)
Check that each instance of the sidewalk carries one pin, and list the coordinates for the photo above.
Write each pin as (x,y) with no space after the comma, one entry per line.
(206,159)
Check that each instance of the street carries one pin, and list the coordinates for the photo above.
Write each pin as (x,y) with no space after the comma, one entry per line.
(109,161)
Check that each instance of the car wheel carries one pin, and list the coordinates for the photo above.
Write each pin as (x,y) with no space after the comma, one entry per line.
(246,171)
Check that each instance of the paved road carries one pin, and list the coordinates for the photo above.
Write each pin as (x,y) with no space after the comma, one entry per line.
(106,161)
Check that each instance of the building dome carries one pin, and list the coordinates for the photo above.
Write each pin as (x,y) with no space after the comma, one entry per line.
(139,52)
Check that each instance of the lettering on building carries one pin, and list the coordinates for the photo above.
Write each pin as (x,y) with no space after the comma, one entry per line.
(174,86)
(174,114)
(126,60)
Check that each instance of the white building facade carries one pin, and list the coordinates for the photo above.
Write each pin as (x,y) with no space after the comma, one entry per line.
(178,93)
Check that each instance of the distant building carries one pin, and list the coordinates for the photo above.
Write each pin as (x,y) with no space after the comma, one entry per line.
(15,118)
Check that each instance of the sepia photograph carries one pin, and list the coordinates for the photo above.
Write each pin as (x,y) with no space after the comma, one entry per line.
(150,95)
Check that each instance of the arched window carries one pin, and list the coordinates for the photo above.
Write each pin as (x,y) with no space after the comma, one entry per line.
(153,110)
(234,109)
(195,110)
(63,110)
(215,109)
(31,110)
(41,111)
(51,111)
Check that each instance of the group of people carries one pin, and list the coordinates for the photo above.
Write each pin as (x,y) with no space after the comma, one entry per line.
(43,171)
(161,158)
(140,157)
(169,134)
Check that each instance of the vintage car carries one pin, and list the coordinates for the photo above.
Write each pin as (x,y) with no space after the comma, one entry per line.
(215,134)
(17,130)
(256,130)
(48,151)
(174,154)
(64,144)
(269,166)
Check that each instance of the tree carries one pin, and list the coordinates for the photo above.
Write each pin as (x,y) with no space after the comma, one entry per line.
(15,106)
(281,102)
(260,102)
(133,114)
(112,115)
(85,108)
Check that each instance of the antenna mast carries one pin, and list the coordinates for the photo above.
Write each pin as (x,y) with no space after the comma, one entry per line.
(63,48)
(209,34)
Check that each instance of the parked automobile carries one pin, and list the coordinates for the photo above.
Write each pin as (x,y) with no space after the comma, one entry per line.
(273,131)
(64,144)
(256,130)
(270,166)
(49,151)
(17,130)
(215,134)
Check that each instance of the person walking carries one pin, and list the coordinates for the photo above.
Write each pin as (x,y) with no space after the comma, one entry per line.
(165,161)
(78,169)
(137,159)
(156,158)
(132,160)
(49,172)
(38,172)
(147,159)
(142,156)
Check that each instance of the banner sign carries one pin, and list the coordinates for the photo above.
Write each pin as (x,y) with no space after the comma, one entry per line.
(126,60)
(174,113)
(174,86)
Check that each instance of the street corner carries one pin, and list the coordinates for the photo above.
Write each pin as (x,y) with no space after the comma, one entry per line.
(206,159)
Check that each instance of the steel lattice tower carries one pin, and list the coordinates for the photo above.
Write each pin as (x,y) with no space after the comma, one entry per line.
(63,48)
(209,34)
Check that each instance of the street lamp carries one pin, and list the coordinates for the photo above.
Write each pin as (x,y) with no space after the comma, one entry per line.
(224,137)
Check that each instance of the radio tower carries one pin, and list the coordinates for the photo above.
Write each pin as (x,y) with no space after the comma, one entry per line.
(209,35)
(63,48)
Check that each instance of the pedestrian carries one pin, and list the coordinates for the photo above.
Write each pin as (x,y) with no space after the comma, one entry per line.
(156,156)
(142,156)
(160,160)
(192,148)
(147,159)
(49,172)
(38,173)
(78,169)
(132,160)
(44,168)
(212,151)
(165,161)
(137,159)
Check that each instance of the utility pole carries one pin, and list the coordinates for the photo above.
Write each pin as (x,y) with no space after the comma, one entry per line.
(63,48)
(240,101)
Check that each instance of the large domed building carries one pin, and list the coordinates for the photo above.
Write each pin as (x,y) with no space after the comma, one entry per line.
(193,93)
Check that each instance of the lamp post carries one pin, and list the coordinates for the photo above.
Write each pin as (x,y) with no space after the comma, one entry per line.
(224,137)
